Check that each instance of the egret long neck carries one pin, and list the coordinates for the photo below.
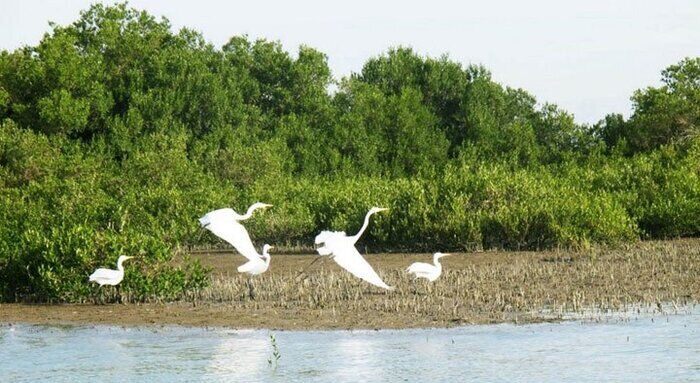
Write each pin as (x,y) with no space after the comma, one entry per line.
(436,261)
(356,237)
(120,267)
(247,214)
(266,257)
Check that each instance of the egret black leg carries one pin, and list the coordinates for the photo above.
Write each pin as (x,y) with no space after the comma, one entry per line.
(251,292)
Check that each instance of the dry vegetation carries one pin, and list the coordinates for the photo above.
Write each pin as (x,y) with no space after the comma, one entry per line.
(475,288)
(479,287)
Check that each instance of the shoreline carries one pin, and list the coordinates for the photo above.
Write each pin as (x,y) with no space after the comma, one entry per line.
(476,288)
(31,315)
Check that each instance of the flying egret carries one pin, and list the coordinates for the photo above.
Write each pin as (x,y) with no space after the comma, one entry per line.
(108,276)
(225,224)
(426,270)
(341,248)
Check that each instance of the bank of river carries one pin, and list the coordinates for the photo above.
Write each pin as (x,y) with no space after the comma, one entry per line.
(476,288)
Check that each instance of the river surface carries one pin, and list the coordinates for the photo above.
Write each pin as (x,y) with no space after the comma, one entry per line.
(631,349)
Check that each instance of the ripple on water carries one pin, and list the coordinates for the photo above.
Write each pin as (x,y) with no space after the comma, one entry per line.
(632,347)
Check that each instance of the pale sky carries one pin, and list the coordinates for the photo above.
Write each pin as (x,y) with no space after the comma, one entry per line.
(586,56)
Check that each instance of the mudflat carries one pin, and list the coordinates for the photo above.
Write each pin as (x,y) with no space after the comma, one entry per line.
(483,287)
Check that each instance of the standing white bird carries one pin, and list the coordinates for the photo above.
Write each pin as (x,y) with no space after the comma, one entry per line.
(255,267)
(108,276)
(426,270)
(259,265)
(341,248)
(225,224)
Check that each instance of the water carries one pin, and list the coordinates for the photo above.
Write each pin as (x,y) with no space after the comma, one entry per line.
(642,349)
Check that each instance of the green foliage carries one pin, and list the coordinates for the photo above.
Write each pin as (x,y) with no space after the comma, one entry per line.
(68,211)
(117,133)
(664,115)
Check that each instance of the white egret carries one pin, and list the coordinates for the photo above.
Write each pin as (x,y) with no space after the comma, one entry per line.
(259,265)
(225,224)
(108,276)
(426,270)
(341,248)
(256,266)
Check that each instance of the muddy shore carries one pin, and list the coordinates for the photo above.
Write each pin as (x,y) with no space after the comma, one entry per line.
(486,287)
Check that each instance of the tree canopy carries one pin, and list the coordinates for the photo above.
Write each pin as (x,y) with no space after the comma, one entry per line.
(117,132)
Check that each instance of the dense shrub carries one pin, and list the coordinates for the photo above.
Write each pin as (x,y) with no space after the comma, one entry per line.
(71,211)
(117,133)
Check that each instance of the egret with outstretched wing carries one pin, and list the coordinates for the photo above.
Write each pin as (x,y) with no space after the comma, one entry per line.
(225,224)
(341,248)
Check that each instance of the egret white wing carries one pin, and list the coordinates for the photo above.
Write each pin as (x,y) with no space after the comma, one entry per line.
(250,265)
(332,241)
(235,234)
(106,276)
(324,250)
(420,267)
(351,260)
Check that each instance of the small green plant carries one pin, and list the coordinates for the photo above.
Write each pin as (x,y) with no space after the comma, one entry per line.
(275,357)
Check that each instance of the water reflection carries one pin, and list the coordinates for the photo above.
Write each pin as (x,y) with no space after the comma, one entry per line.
(239,357)
(355,356)
(642,349)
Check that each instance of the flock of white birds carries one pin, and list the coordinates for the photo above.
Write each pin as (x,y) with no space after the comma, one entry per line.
(226,224)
